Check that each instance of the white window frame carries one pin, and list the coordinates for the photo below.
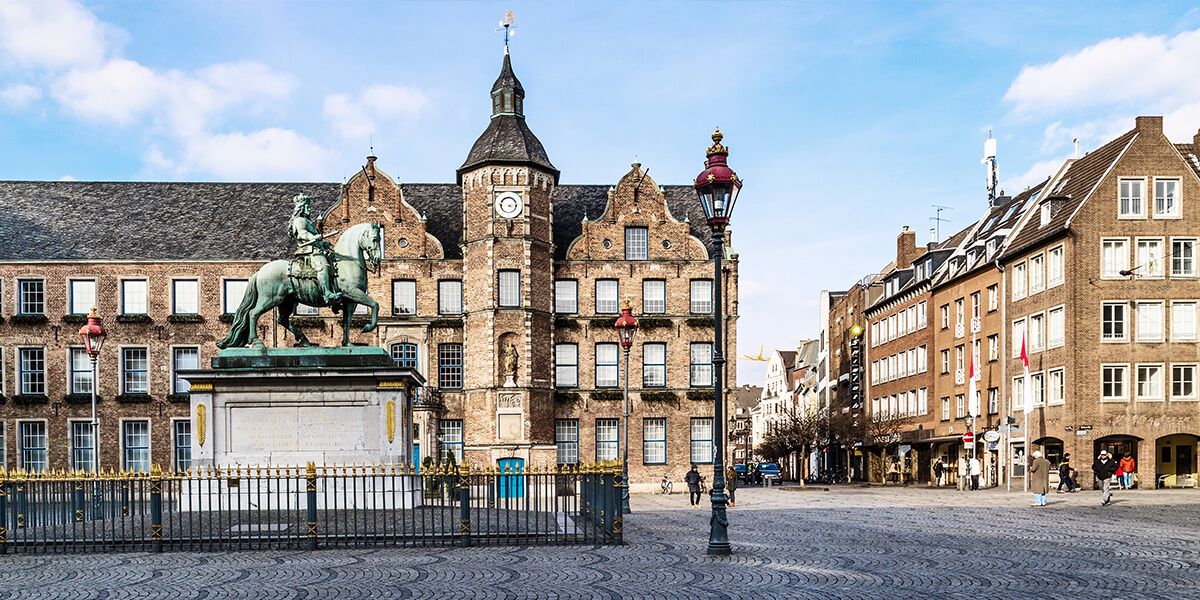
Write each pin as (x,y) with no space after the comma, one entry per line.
(1126,382)
(1019,281)
(74,352)
(610,304)
(404,292)
(20,370)
(1141,335)
(73,305)
(1141,269)
(508,295)
(1036,330)
(125,308)
(1175,336)
(1061,312)
(228,307)
(614,350)
(705,305)
(93,452)
(1056,391)
(1194,369)
(637,246)
(450,297)
(1037,273)
(20,296)
(1176,256)
(561,306)
(175,381)
(993,297)
(1141,199)
(175,296)
(1018,393)
(1019,333)
(654,301)
(654,441)
(21,462)
(566,365)
(1177,213)
(651,351)
(1115,273)
(1125,309)
(1055,266)
(993,347)
(125,446)
(1137,390)
(123,372)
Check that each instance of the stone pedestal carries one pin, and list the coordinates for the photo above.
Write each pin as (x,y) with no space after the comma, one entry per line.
(290,406)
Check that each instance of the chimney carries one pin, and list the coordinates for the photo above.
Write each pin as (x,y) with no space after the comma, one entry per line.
(1196,143)
(1149,124)
(906,248)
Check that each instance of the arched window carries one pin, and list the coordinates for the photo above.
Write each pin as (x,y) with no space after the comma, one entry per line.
(404,355)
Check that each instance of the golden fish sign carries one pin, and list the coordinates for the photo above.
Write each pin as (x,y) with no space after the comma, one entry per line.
(391,421)
(201,422)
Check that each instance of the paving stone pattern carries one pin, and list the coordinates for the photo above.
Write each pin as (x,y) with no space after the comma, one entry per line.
(843,543)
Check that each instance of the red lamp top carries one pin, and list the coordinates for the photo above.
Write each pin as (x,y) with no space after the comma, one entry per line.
(716,167)
(93,333)
(717,185)
(626,324)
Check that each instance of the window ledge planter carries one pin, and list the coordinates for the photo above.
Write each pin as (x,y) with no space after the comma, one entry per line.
(184,398)
(225,318)
(660,396)
(701,394)
(447,323)
(307,321)
(700,321)
(566,323)
(566,397)
(655,323)
(133,398)
(79,399)
(26,399)
(134,319)
(185,319)
(606,395)
(75,318)
(29,319)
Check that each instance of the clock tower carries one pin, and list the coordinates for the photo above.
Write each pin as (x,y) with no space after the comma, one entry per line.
(507,182)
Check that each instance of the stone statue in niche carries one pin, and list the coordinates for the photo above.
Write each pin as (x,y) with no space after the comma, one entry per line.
(510,365)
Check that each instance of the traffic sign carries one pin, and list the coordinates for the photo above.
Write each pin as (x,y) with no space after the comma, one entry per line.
(968,438)
(991,435)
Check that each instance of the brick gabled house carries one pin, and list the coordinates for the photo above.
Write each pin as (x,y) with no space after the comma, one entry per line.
(1102,287)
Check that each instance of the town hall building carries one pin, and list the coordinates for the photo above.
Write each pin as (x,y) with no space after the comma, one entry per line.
(503,260)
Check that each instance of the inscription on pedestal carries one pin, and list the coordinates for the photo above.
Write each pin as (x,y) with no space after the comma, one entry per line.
(510,416)
(291,429)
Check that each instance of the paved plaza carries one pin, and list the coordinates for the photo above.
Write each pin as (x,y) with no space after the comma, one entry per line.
(848,542)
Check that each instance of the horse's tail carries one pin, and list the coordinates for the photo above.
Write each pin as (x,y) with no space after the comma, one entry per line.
(239,330)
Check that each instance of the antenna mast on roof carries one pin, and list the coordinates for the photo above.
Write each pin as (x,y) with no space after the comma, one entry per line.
(937,221)
(989,159)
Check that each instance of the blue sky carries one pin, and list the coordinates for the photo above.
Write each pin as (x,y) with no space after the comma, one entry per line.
(847,121)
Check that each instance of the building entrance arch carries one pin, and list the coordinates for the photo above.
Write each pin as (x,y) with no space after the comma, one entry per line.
(1175,460)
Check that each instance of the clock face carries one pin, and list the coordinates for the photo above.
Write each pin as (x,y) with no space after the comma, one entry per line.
(509,205)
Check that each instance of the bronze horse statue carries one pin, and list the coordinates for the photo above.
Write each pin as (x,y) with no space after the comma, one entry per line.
(277,285)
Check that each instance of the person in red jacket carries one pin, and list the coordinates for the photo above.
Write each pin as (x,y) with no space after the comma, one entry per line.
(1125,470)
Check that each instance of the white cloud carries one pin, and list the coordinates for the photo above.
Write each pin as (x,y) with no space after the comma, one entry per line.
(355,118)
(1139,68)
(118,91)
(53,34)
(20,95)
(258,156)
(67,178)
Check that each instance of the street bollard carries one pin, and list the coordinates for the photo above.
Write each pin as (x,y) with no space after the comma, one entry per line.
(156,527)
(310,476)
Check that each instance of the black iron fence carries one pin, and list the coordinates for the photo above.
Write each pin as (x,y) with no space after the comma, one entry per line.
(308,508)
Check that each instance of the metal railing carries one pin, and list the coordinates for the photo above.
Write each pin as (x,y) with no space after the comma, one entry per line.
(308,508)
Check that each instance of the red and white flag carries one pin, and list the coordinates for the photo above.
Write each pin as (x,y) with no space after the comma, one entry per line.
(1027,388)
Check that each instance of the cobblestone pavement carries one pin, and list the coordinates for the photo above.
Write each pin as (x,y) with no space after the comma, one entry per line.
(848,542)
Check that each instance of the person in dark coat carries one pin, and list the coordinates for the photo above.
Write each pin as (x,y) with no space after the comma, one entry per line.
(1064,475)
(692,479)
(1104,468)
(938,468)
(1039,478)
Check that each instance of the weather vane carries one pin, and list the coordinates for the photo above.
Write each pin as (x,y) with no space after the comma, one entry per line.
(507,24)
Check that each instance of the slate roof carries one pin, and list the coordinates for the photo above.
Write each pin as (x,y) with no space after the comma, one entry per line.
(507,140)
(1074,186)
(1191,153)
(508,79)
(74,220)
(998,222)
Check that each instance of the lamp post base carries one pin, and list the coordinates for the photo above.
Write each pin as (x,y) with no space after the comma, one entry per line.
(718,537)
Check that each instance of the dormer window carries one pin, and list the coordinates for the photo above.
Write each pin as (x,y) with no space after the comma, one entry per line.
(1045,214)
(991,247)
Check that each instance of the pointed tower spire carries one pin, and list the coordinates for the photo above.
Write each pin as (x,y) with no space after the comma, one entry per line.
(508,139)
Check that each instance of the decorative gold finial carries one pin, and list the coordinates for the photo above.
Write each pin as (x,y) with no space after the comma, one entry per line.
(626,304)
(717,148)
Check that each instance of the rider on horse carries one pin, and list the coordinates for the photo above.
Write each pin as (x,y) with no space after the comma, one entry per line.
(309,243)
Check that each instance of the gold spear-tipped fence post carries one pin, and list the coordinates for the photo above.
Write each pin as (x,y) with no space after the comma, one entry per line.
(156,527)
(3,510)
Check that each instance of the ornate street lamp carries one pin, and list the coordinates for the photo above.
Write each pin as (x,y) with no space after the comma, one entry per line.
(93,335)
(626,325)
(718,186)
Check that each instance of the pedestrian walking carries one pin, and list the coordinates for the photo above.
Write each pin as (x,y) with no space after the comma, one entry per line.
(976,470)
(938,468)
(1039,478)
(1128,467)
(692,479)
(962,474)
(1064,475)
(1104,469)
(730,482)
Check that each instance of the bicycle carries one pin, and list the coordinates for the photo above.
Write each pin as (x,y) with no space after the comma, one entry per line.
(666,487)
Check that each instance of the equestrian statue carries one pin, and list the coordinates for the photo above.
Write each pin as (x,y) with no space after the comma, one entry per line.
(318,275)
